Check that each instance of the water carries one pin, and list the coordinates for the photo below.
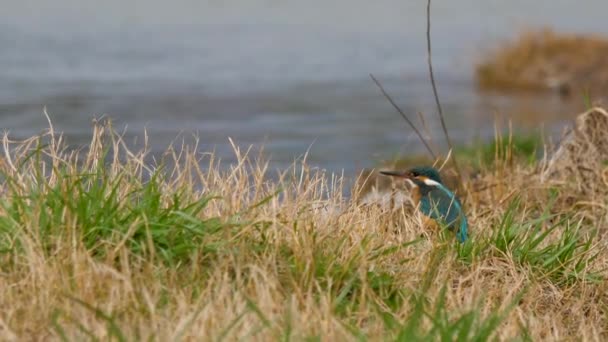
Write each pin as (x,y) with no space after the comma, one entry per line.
(292,76)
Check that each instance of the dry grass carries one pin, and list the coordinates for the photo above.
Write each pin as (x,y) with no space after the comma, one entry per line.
(545,60)
(99,244)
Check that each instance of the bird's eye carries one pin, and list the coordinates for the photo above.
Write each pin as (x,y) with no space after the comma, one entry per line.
(414,174)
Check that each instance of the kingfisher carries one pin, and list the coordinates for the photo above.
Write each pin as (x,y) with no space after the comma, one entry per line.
(434,199)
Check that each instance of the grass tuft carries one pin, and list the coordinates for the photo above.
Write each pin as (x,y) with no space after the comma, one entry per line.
(100,243)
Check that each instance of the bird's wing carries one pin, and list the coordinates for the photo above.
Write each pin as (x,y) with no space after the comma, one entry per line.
(441,204)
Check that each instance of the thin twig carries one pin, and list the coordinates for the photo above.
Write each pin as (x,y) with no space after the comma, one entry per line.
(425,127)
(390,99)
(439,109)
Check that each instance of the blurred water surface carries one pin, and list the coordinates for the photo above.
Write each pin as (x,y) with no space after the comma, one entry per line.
(290,75)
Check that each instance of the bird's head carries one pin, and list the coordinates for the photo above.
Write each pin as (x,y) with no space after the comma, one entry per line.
(422,176)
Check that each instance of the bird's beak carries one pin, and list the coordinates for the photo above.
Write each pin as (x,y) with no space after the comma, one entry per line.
(399,174)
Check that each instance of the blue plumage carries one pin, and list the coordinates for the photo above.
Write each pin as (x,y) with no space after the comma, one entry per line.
(440,204)
(435,200)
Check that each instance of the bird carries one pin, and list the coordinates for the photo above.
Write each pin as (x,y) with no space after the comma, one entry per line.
(434,199)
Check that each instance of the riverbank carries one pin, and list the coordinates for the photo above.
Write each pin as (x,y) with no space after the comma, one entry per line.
(101,243)
(545,60)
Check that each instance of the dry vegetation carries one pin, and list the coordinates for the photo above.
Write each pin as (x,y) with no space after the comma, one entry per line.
(99,244)
(545,60)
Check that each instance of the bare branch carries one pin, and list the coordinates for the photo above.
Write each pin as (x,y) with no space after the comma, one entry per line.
(437,102)
(390,99)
